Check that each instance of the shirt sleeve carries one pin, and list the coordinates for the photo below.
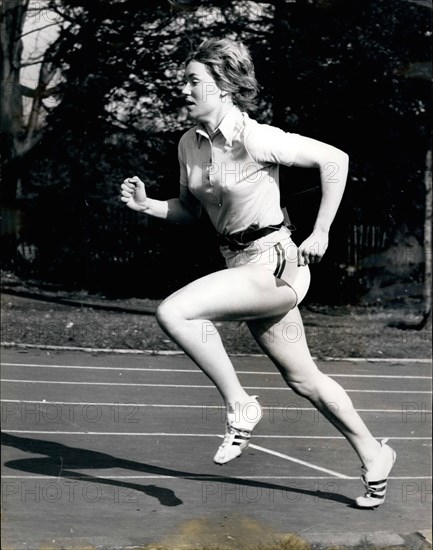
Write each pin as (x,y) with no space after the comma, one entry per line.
(268,144)
(182,163)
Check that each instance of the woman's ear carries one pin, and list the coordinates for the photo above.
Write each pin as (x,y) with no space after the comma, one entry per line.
(226,96)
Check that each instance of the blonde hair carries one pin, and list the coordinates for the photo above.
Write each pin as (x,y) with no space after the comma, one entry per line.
(230,65)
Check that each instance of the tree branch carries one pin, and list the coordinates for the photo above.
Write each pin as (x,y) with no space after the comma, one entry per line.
(63,15)
(46,74)
(31,92)
(37,30)
(34,62)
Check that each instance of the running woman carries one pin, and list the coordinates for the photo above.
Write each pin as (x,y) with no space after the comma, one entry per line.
(229,166)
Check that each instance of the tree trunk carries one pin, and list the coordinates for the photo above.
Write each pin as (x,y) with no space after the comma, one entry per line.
(12,17)
(428,236)
(279,91)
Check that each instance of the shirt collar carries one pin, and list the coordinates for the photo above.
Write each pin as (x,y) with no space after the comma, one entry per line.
(227,126)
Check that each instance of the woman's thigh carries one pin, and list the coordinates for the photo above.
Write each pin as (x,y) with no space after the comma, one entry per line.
(241,293)
(283,339)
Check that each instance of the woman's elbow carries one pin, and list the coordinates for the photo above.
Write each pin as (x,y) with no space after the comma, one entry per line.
(341,158)
(346,159)
(339,162)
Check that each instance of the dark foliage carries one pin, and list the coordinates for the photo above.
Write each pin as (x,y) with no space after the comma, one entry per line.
(334,71)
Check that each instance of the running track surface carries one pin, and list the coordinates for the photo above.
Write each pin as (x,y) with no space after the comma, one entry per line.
(115,451)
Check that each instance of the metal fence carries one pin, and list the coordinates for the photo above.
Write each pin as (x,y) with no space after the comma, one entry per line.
(364,240)
(109,243)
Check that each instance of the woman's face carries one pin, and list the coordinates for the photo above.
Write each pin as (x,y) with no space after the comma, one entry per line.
(203,97)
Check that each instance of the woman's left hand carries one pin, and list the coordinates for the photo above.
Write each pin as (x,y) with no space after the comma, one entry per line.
(313,248)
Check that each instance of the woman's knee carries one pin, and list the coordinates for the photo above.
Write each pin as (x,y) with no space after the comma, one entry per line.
(307,386)
(304,388)
(169,314)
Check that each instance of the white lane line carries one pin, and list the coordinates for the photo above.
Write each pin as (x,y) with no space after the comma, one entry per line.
(204,406)
(149,352)
(179,352)
(208,477)
(378,359)
(136,384)
(165,434)
(297,461)
(198,371)
(192,476)
(92,367)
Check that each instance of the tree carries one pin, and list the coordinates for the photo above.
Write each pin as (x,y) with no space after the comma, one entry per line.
(118,107)
(19,136)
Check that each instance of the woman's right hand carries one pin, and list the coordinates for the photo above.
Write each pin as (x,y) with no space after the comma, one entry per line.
(133,193)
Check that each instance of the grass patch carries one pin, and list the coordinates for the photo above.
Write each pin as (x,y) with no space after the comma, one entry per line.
(345,331)
(292,543)
(43,314)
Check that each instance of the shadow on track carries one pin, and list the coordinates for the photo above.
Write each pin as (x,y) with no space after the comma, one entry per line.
(60,461)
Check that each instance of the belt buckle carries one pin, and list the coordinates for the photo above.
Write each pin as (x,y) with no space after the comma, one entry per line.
(235,246)
(238,240)
(231,243)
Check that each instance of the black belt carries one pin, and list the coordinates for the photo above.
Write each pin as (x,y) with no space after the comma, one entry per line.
(242,239)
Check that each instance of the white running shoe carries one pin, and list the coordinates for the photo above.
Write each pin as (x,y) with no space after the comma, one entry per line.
(240,424)
(375,479)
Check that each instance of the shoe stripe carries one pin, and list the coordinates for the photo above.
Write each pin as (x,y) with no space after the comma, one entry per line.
(375,489)
(245,434)
(380,492)
(375,485)
(371,483)
(378,488)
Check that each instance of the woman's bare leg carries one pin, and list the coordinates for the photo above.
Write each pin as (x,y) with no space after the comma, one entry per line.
(252,293)
(283,340)
(246,292)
